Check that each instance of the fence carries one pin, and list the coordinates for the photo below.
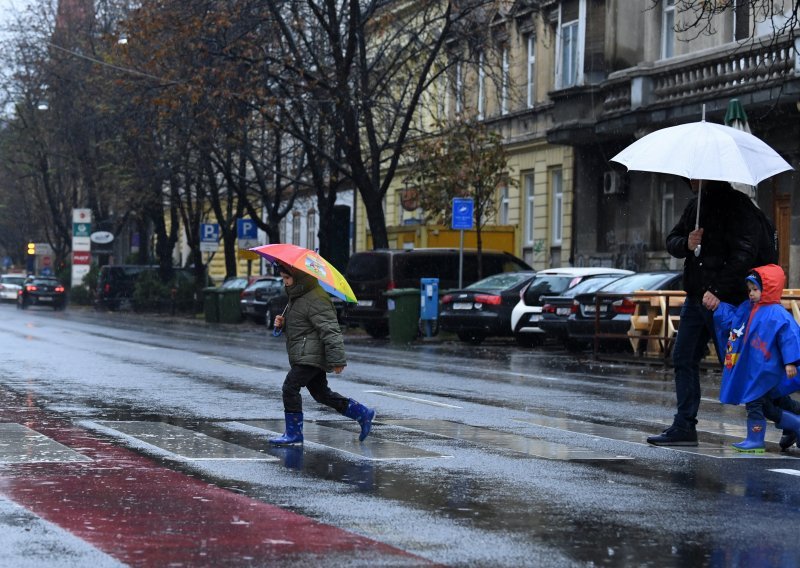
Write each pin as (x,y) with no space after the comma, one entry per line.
(655,321)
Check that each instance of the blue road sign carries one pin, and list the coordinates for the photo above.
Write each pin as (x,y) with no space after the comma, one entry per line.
(246,229)
(209,237)
(462,213)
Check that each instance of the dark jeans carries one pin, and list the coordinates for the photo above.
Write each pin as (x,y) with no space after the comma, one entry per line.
(316,381)
(771,409)
(696,328)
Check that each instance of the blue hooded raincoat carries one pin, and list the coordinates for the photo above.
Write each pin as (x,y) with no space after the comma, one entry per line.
(760,340)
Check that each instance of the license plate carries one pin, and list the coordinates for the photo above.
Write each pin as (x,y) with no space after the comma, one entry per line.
(365,303)
(562,311)
(462,306)
(45,298)
(591,309)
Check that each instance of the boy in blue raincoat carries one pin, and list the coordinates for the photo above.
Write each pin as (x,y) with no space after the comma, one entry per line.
(760,361)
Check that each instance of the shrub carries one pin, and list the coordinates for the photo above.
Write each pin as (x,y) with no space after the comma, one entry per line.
(80,295)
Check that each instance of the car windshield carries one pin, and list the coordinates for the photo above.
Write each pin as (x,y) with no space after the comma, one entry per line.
(547,285)
(367,267)
(235,283)
(643,281)
(590,285)
(502,281)
(18,280)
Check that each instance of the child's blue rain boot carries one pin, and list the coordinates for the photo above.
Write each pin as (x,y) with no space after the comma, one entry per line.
(293,433)
(363,415)
(754,444)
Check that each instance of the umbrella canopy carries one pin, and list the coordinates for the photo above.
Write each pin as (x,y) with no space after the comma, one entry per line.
(311,263)
(704,150)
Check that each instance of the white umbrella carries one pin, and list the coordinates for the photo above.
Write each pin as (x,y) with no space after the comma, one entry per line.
(704,151)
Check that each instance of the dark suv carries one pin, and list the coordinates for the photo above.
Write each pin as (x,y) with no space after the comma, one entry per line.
(371,273)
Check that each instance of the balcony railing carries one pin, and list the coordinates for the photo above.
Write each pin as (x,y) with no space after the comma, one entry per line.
(722,70)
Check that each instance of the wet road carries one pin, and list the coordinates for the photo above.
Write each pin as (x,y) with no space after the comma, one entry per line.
(142,441)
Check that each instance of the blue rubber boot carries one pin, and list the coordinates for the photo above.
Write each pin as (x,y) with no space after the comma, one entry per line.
(754,444)
(363,415)
(790,423)
(293,433)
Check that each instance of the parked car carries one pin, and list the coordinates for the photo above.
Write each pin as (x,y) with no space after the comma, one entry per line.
(371,273)
(276,305)
(10,285)
(255,298)
(42,291)
(614,312)
(239,282)
(483,309)
(527,313)
(556,309)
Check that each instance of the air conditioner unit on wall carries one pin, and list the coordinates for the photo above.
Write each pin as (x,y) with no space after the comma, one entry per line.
(613,183)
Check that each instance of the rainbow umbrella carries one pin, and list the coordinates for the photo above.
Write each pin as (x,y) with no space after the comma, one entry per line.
(311,263)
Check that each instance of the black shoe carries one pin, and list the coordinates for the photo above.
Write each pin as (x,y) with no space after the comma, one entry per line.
(674,436)
(788,438)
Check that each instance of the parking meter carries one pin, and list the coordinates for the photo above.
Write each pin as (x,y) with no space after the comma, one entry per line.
(429,304)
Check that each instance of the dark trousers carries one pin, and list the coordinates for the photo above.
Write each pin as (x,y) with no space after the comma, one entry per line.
(316,381)
(696,328)
(771,409)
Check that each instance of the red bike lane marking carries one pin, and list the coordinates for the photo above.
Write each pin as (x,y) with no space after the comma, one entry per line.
(143,513)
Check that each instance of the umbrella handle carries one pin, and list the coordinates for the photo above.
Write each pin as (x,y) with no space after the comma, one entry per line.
(276,332)
(699,195)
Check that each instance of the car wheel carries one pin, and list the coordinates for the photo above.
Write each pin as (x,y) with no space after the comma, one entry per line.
(376,330)
(269,319)
(471,337)
(22,304)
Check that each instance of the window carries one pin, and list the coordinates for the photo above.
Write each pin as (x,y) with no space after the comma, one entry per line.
(504,205)
(528,207)
(444,101)
(531,64)
(459,88)
(556,182)
(569,54)
(296,228)
(311,230)
(667,210)
(741,20)
(481,87)
(504,84)
(668,29)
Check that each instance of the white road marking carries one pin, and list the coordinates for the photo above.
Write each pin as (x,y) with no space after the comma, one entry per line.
(787,471)
(413,398)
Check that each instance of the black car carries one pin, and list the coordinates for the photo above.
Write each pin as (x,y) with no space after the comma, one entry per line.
(255,299)
(42,291)
(484,308)
(557,309)
(610,308)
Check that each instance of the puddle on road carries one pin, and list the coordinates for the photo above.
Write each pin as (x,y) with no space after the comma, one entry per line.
(185,444)
(20,444)
(504,440)
(373,448)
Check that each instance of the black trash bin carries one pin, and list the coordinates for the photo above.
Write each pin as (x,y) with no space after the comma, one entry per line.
(211,304)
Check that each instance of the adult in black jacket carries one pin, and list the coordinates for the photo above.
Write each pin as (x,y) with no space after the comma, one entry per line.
(728,241)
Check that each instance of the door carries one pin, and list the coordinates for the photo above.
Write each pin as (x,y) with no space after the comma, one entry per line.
(782,211)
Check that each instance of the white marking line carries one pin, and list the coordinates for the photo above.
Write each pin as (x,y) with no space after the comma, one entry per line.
(236,364)
(415,399)
(787,471)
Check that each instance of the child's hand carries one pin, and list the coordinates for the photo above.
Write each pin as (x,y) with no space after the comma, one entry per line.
(278,324)
(791,371)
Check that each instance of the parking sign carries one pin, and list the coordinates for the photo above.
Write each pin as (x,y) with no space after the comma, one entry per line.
(247,233)
(209,237)
(462,213)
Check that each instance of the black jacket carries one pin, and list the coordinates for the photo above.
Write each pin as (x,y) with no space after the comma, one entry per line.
(729,247)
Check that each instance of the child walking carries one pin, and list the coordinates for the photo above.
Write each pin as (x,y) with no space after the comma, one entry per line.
(315,346)
(762,351)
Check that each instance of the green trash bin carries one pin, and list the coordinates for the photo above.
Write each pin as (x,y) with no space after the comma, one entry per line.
(403,306)
(230,310)
(211,304)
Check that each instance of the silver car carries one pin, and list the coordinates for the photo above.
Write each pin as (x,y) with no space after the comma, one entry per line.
(10,285)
